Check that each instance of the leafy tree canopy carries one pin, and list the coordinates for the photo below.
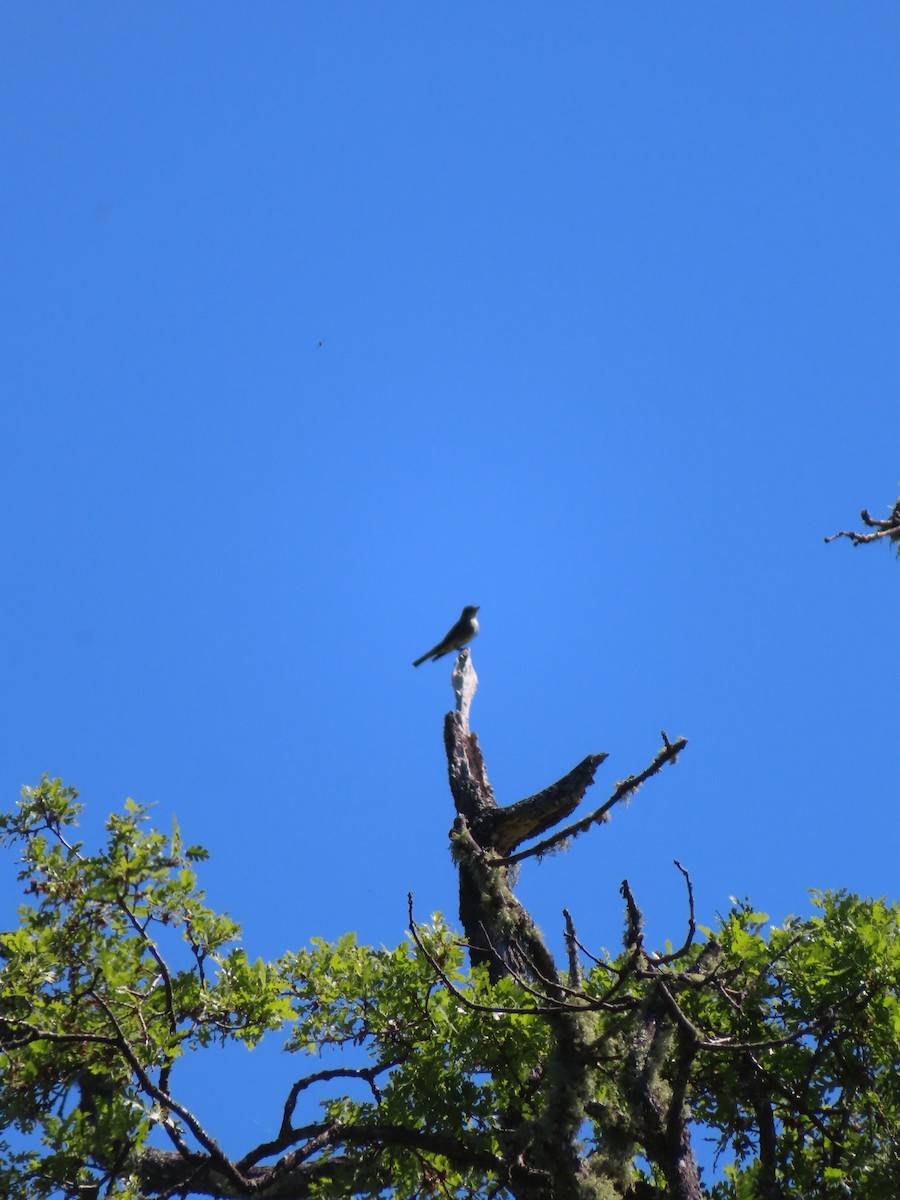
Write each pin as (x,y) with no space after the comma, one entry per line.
(782,1043)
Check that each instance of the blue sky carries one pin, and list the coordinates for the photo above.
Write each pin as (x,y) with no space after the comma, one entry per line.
(607,301)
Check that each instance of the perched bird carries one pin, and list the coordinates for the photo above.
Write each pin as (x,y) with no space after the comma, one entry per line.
(461,633)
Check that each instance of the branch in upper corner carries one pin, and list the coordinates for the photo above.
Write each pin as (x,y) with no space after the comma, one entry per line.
(890,528)
(626,788)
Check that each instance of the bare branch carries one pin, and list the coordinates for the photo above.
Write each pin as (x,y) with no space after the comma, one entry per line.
(625,789)
(662,959)
(287,1134)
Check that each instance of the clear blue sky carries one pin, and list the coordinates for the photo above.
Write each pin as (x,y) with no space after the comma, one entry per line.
(607,297)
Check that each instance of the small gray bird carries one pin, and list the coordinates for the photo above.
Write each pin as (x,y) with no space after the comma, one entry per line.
(462,632)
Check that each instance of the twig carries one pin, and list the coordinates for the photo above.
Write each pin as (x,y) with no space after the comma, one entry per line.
(158,959)
(663,959)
